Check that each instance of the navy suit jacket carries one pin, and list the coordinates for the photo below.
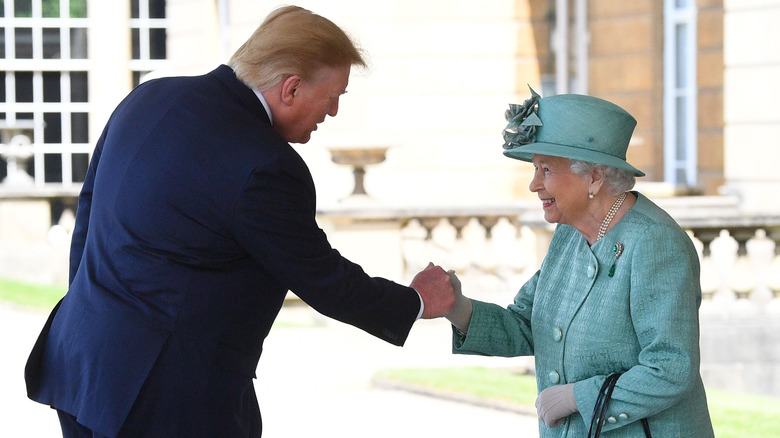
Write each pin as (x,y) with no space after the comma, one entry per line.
(194,221)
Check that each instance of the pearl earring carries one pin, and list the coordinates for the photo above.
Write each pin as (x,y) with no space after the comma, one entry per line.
(590,195)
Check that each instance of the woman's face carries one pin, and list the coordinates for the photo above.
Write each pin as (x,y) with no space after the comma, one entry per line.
(563,193)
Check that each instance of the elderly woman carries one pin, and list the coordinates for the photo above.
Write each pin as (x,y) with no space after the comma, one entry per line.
(618,291)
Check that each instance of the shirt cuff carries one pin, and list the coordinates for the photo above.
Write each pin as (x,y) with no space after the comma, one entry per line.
(422,305)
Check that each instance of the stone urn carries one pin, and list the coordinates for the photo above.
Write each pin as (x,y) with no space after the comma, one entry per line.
(358,158)
(16,149)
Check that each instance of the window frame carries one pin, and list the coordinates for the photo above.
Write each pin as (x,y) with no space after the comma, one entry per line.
(680,87)
(38,66)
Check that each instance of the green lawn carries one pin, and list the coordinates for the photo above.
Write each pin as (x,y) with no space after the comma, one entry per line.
(733,414)
(31,295)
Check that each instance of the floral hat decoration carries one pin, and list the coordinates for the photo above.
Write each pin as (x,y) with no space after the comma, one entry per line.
(571,126)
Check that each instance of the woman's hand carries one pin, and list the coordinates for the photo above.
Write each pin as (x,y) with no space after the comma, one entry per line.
(556,403)
(460,316)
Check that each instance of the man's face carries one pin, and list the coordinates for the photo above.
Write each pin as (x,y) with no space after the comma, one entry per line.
(312,100)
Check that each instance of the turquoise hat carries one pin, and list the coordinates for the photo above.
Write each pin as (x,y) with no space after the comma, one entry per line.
(571,126)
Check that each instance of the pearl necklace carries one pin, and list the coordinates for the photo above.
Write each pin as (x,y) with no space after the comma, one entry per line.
(612,211)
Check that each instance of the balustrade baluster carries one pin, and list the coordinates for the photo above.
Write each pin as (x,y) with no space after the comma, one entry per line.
(488,222)
(429,223)
(710,276)
(773,279)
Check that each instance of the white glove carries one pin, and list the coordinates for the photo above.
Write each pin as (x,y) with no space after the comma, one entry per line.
(556,403)
(460,316)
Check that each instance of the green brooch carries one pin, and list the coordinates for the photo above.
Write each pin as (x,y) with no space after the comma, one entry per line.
(618,249)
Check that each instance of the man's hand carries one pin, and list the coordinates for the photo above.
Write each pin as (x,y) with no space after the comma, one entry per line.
(435,288)
(556,403)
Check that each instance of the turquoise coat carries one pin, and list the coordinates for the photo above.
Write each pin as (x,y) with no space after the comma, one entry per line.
(582,324)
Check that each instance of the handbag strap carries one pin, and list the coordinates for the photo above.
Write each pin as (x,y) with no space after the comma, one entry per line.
(602,403)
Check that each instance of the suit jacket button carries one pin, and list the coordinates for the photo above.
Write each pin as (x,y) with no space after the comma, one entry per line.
(623,416)
(612,420)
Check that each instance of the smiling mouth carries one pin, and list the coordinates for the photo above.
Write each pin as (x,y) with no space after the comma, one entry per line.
(548,202)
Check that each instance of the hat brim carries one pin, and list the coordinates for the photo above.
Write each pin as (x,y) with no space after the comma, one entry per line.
(526,153)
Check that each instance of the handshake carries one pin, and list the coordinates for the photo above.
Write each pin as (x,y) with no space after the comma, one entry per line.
(441,293)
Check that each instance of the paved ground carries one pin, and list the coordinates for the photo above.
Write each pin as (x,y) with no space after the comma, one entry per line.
(314,379)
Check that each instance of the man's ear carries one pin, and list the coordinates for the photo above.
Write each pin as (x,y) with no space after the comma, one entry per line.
(290,89)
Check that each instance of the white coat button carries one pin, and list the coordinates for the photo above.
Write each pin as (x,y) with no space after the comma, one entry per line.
(623,416)
(591,271)
(612,420)
(557,334)
(554,377)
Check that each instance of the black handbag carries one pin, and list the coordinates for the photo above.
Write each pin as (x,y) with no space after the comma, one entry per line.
(602,403)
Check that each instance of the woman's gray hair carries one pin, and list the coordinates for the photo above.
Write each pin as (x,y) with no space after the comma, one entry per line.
(618,180)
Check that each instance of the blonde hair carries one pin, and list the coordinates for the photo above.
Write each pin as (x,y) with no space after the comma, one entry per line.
(292,41)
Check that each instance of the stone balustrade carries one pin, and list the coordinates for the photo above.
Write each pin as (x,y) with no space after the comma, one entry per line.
(495,249)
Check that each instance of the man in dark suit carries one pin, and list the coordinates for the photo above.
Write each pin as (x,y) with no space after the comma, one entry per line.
(195,219)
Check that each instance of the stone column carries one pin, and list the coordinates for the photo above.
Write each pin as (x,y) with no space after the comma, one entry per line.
(109,75)
(751,94)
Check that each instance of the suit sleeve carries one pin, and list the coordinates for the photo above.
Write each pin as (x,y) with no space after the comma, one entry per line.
(664,300)
(276,224)
(79,237)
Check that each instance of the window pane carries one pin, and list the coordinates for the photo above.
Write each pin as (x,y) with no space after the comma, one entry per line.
(24,86)
(79,128)
(134,9)
(80,163)
(681,58)
(78,43)
(22,8)
(51,43)
(136,43)
(78,8)
(682,176)
(137,75)
(2,43)
(156,8)
(52,130)
(52,166)
(157,43)
(51,87)
(30,169)
(79,87)
(51,8)
(681,125)
(24,49)
(2,86)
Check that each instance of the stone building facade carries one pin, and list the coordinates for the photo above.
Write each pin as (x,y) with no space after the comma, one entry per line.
(699,76)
